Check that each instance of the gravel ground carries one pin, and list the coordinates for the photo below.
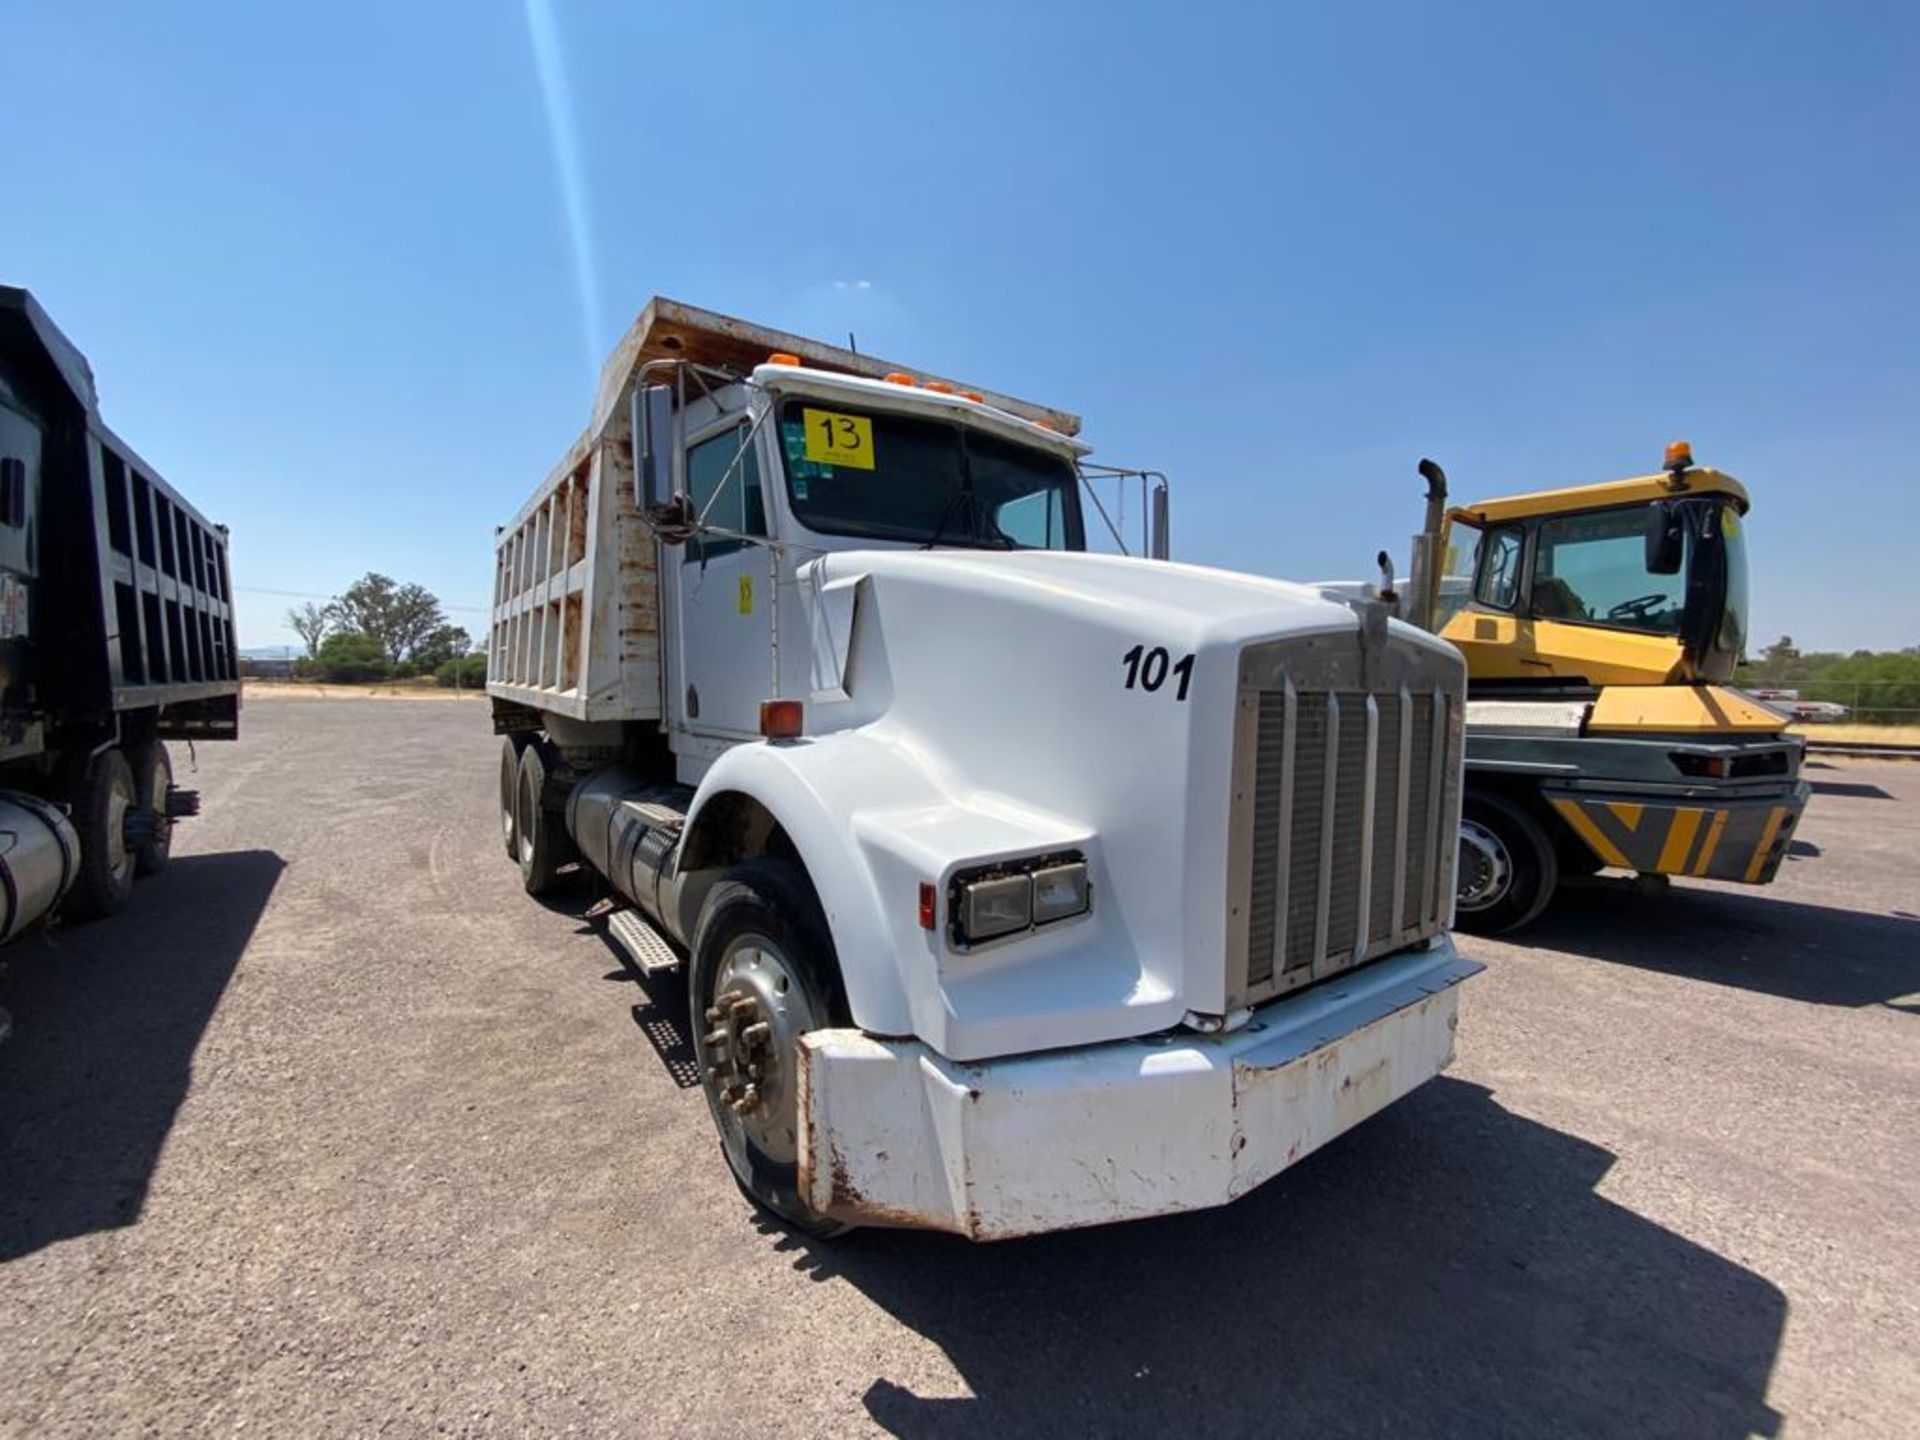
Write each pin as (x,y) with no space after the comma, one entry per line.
(334,1130)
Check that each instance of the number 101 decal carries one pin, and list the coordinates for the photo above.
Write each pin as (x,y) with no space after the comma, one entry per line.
(1148,670)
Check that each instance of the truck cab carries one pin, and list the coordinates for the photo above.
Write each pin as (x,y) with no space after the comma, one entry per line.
(1015,886)
(1600,625)
(792,464)
(1630,582)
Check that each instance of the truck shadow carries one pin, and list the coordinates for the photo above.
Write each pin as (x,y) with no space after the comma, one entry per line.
(1749,940)
(1446,1269)
(106,1021)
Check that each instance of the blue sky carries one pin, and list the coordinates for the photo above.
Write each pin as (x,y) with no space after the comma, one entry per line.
(326,267)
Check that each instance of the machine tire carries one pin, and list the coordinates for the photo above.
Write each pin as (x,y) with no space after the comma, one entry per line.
(762,929)
(540,840)
(510,749)
(152,777)
(1532,869)
(100,804)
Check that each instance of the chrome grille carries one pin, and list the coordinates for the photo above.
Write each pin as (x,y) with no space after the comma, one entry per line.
(1341,789)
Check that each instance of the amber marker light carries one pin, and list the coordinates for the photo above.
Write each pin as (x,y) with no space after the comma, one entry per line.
(781,719)
(1679,456)
(900,377)
(781,357)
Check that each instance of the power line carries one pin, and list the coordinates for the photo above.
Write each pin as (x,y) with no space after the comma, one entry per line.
(310,595)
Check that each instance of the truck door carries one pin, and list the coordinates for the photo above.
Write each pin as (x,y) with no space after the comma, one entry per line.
(725,604)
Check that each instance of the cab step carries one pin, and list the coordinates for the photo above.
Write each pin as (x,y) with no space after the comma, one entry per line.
(646,946)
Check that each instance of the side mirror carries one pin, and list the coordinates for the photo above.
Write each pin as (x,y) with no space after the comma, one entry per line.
(652,445)
(1666,545)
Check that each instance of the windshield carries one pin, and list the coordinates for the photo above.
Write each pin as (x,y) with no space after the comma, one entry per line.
(883,476)
(1592,568)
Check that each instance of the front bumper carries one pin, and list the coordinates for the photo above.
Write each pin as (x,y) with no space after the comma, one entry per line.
(894,1134)
(1742,840)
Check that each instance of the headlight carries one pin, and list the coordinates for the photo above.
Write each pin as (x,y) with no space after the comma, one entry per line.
(989,902)
(1060,892)
(989,908)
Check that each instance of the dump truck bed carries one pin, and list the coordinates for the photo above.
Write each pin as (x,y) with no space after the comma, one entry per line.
(131,603)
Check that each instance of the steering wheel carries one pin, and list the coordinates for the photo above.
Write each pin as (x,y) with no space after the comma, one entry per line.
(1637,608)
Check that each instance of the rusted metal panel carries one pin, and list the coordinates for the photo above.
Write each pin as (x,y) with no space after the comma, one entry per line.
(670,330)
(576,614)
(894,1134)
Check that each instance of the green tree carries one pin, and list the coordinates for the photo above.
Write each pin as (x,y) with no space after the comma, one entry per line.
(1880,689)
(449,642)
(311,623)
(348,659)
(468,672)
(399,617)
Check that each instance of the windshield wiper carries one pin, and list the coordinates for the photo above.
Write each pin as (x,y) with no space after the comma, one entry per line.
(961,498)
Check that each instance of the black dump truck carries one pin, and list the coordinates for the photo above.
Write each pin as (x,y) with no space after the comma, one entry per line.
(116,636)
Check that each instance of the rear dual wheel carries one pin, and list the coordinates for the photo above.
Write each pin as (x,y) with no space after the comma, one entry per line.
(536,834)
(105,795)
(510,749)
(152,779)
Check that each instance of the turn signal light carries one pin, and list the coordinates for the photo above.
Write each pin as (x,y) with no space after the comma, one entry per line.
(781,357)
(781,719)
(1679,456)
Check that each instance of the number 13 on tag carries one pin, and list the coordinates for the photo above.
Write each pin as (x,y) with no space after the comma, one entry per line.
(836,439)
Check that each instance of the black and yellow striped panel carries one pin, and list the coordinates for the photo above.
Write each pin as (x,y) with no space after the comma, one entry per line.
(1742,842)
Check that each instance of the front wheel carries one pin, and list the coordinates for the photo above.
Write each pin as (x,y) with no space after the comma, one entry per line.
(764,974)
(1507,870)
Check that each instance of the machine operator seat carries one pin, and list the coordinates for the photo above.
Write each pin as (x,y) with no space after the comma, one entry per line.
(1554,599)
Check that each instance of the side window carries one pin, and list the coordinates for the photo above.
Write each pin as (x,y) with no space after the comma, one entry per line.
(1593,568)
(1457,564)
(724,494)
(1497,581)
(1035,521)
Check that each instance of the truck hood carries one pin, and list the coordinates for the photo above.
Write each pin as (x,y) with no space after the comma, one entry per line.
(1219,607)
(969,708)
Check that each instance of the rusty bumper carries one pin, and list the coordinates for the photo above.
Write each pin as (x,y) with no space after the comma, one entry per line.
(1742,840)
(894,1134)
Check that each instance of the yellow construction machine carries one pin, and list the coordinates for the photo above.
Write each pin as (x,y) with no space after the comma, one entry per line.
(1601,626)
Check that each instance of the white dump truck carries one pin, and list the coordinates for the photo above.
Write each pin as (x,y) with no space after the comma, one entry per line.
(1017,887)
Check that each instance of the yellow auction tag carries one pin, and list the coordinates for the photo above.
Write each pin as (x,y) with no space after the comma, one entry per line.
(836,439)
(746,594)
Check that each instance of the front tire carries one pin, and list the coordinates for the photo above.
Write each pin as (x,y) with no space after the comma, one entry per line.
(1507,867)
(764,974)
(100,804)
